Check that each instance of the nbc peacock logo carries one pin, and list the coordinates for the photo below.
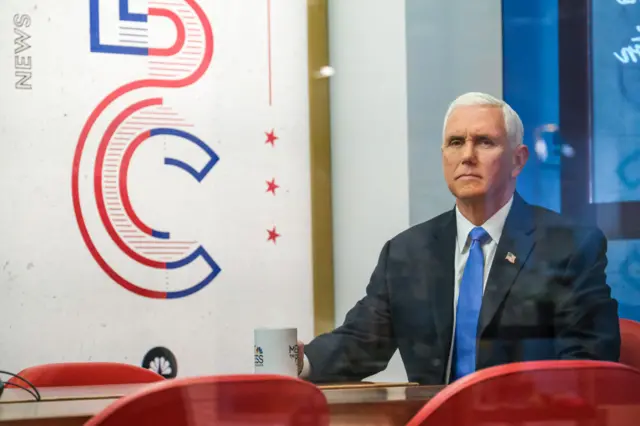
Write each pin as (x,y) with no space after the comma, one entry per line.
(258,356)
(162,361)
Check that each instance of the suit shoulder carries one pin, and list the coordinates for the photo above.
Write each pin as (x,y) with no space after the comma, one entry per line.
(545,217)
(417,234)
(562,226)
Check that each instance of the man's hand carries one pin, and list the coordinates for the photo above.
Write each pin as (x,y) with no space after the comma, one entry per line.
(300,356)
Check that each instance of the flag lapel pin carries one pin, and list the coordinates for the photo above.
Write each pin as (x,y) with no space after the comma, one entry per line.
(511,258)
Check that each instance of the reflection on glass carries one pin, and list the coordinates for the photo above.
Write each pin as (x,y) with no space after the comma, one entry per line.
(623,272)
(615,44)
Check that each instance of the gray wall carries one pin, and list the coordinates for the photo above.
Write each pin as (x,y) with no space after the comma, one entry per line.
(453,47)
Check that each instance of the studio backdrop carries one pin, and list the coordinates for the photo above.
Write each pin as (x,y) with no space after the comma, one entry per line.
(155,181)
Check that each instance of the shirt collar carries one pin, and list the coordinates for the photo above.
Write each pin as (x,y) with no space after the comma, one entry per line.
(493,225)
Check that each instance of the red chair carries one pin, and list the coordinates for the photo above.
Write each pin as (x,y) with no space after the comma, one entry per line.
(630,343)
(546,392)
(85,374)
(220,400)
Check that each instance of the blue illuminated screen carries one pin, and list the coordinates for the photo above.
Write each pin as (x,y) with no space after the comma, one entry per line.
(615,55)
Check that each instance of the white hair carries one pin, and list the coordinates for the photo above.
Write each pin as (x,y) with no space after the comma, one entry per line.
(512,122)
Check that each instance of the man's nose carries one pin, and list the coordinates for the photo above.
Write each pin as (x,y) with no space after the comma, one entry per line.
(468,151)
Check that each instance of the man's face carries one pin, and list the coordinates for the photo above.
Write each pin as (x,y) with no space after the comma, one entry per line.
(477,158)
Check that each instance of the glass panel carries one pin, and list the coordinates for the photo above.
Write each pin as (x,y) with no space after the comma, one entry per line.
(616,100)
(623,273)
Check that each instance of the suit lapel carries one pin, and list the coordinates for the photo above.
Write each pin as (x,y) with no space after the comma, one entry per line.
(441,253)
(515,245)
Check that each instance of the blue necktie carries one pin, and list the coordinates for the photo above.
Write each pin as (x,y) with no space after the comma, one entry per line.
(468,310)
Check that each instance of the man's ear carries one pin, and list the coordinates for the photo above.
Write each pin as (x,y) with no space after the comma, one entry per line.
(520,157)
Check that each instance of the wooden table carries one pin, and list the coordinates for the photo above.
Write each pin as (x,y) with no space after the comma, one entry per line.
(371,404)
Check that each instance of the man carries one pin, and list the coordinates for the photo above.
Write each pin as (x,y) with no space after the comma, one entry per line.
(493,281)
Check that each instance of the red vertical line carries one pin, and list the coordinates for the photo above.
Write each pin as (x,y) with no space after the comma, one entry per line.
(269,49)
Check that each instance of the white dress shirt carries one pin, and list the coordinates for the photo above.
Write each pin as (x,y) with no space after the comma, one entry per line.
(494,227)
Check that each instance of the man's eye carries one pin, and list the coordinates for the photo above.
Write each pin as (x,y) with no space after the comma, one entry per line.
(455,142)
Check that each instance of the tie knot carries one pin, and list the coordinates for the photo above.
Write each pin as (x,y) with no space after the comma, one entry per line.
(478,234)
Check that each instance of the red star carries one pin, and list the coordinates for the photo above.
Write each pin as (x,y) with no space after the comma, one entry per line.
(272,186)
(271,137)
(273,235)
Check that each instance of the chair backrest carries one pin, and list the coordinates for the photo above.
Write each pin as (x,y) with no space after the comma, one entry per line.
(214,400)
(540,392)
(630,342)
(86,374)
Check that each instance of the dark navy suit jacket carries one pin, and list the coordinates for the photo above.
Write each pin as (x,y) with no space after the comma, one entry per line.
(552,302)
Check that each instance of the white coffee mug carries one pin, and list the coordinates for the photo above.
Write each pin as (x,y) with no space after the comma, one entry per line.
(276,351)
